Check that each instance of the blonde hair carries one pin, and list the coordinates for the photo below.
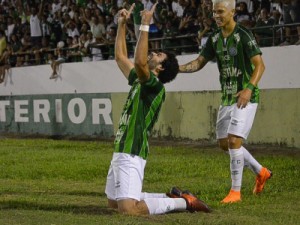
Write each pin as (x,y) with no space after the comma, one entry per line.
(230,4)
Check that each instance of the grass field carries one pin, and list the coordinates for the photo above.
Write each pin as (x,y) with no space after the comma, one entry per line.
(62,182)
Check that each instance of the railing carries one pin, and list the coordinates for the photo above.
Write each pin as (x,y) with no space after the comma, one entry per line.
(190,46)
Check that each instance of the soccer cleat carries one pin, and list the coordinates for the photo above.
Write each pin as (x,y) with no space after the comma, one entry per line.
(261,179)
(193,204)
(232,197)
(174,193)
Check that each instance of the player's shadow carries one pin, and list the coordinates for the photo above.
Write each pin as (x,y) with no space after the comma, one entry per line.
(75,209)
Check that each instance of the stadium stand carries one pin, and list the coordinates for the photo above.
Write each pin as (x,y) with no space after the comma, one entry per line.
(33,31)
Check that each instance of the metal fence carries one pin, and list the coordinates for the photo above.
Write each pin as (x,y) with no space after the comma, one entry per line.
(180,44)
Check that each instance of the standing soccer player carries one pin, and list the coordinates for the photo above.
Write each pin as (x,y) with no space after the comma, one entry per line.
(146,75)
(241,66)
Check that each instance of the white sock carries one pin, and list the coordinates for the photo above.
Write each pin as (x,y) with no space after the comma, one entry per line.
(145,195)
(164,205)
(251,162)
(236,168)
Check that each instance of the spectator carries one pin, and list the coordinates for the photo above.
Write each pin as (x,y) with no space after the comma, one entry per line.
(2,22)
(206,9)
(2,42)
(86,50)
(35,23)
(56,29)
(61,57)
(10,27)
(56,6)
(177,9)
(45,27)
(97,26)
(72,30)
(139,6)
(99,50)
(243,16)
(291,14)
(187,27)
(73,10)
(251,5)
(264,36)
(206,28)
(16,46)
(112,34)
(169,42)
(109,22)
(26,49)
(101,6)
(4,62)
(161,12)
(42,54)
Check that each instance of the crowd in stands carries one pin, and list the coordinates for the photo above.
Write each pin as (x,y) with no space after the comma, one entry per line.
(34,32)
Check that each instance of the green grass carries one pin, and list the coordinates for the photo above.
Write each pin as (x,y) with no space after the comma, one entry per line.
(46,181)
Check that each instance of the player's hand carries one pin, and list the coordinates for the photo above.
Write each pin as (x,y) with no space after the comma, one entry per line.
(124,14)
(243,97)
(147,15)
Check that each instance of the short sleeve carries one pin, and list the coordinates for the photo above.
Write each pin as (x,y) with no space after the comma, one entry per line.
(132,77)
(208,51)
(250,45)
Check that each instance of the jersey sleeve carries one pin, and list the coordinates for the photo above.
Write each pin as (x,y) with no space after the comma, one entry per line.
(250,45)
(132,77)
(208,51)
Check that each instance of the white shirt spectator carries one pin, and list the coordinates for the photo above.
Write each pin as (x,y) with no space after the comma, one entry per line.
(56,7)
(119,3)
(97,30)
(177,9)
(35,26)
(71,14)
(73,32)
(10,29)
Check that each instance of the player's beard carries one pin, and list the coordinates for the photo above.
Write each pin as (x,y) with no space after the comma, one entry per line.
(151,63)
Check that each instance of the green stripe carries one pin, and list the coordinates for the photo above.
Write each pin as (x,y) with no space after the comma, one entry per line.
(150,119)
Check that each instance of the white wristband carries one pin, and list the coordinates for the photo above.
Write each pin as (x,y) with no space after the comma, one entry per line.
(144,28)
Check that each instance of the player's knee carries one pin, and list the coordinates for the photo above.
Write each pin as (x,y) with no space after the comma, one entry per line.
(223,144)
(112,204)
(234,142)
(128,210)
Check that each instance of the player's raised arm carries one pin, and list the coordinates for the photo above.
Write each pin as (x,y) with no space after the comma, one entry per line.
(141,53)
(121,55)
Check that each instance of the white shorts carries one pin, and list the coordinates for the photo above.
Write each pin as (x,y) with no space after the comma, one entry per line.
(125,177)
(233,120)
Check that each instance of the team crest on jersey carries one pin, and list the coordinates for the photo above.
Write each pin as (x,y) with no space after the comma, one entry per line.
(232,51)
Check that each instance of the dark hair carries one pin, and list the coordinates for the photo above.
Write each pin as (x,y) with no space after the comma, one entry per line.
(171,68)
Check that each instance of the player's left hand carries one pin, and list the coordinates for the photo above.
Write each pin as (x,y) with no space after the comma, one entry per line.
(147,15)
(243,97)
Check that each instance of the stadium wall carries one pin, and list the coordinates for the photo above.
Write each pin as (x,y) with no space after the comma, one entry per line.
(87,99)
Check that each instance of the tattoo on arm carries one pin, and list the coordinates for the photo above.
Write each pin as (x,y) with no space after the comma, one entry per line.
(191,67)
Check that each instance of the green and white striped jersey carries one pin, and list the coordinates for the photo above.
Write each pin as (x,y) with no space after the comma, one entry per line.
(139,115)
(233,56)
